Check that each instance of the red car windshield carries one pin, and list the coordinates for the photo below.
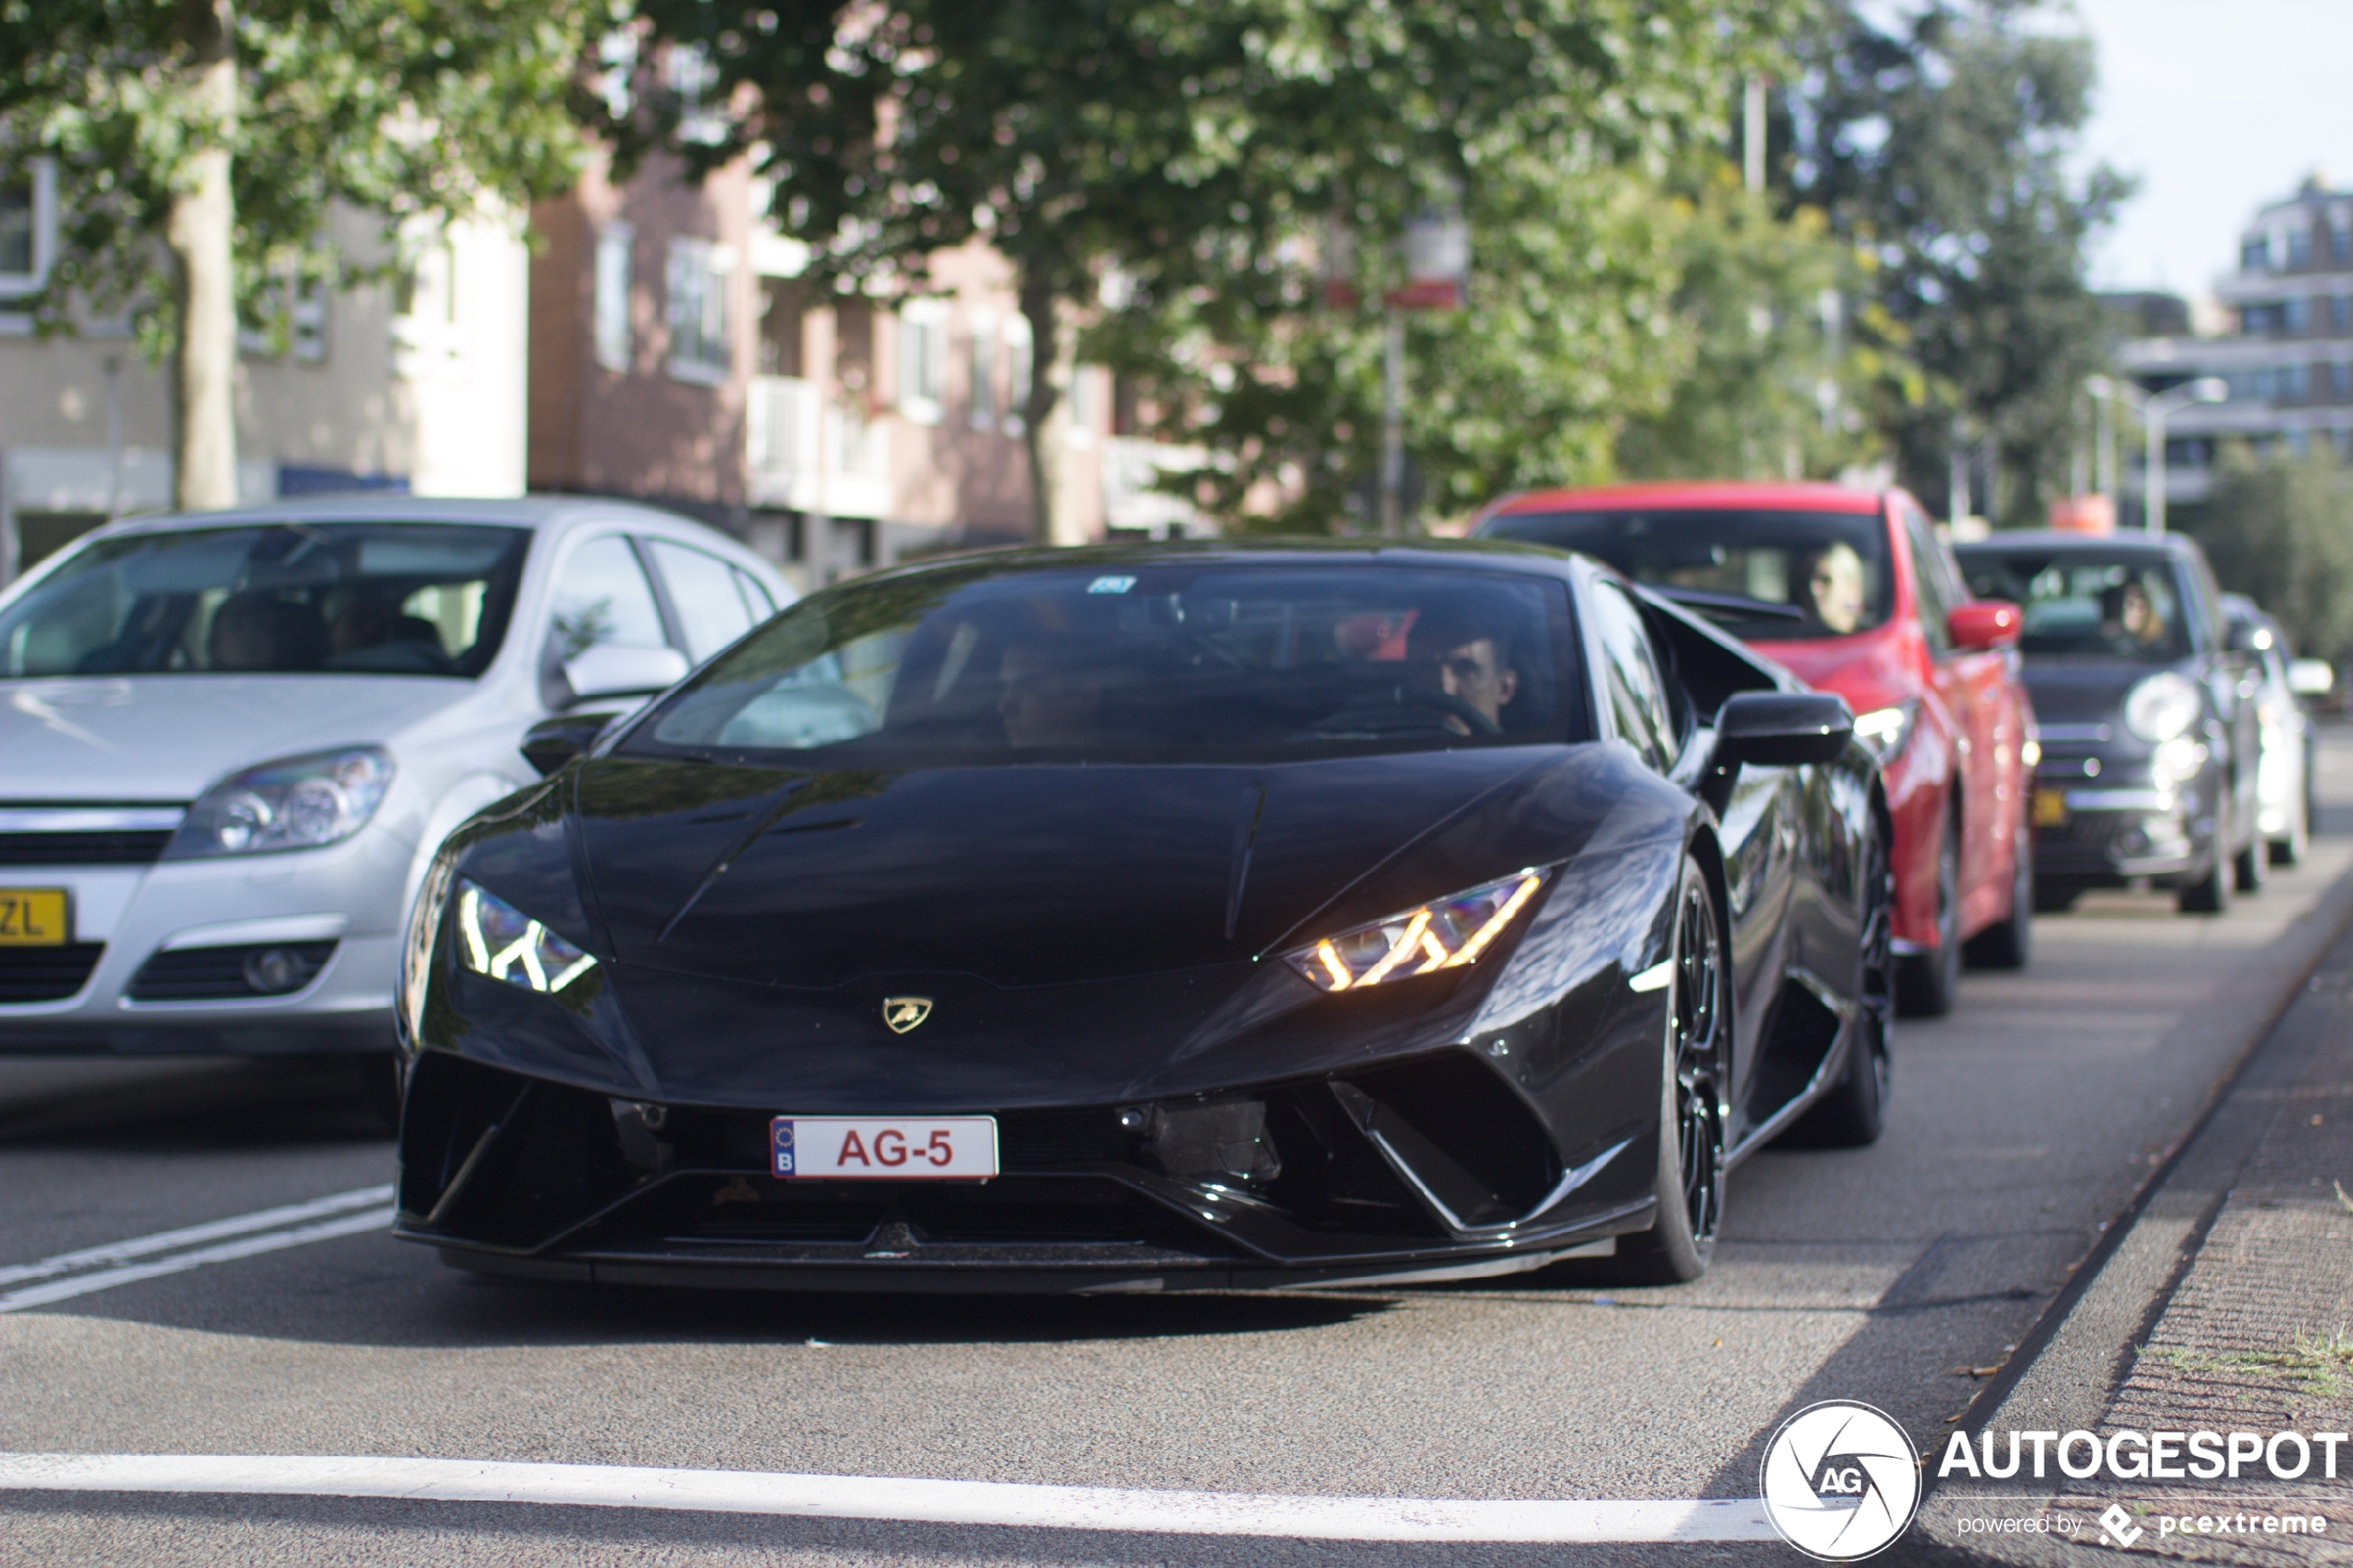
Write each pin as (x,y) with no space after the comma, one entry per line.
(1763,575)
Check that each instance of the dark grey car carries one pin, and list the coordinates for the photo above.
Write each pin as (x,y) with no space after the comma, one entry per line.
(2148,721)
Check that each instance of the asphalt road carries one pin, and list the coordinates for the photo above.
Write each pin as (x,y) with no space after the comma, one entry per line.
(1897,1275)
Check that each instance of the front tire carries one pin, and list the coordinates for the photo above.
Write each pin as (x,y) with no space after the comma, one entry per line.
(1694,1084)
(1928,981)
(2011,943)
(2211,893)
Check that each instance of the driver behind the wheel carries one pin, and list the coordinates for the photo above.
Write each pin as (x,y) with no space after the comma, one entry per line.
(1468,656)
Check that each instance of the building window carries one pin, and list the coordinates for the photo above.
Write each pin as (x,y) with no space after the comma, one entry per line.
(922,360)
(691,77)
(2341,313)
(2341,238)
(984,372)
(28,229)
(2295,384)
(1017,376)
(612,281)
(2299,247)
(782,306)
(2341,380)
(2295,317)
(2254,255)
(698,278)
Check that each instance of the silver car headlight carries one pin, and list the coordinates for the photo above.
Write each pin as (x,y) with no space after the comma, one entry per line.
(498,940)
(2163,706)
(294,803)
(1451,932)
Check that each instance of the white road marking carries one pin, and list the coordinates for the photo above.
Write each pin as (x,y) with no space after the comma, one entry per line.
(910,1501)
(165,1241)
(228,1251)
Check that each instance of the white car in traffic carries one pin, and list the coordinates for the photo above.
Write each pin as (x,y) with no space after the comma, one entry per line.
(230,743)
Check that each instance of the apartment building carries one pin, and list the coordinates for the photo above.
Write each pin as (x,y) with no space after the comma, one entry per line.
(416,388)
(679,357)
(2287,354)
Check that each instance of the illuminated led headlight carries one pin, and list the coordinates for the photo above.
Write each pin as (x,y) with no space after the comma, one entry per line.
(497,939)
(2161,707)
(1451,933)
(1885,730)
(294,803)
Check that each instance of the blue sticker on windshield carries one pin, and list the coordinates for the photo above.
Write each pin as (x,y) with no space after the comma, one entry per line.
(1111,585)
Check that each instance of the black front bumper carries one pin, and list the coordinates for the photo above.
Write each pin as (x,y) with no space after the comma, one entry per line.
(1424,1167)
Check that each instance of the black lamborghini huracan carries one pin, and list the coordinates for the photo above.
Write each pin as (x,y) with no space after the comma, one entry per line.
(1155,917)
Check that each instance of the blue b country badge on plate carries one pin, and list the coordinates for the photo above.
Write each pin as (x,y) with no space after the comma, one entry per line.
(780,1145)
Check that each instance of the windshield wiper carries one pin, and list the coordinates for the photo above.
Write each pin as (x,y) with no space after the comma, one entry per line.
(1727,607)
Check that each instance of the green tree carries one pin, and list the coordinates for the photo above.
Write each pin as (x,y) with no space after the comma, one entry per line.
(1193,156)
(1781,343)
(202,144)
(2280,530)
(1940,146)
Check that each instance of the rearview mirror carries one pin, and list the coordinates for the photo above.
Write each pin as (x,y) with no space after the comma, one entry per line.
(619,672)
(2310,677)
(1985,624)
(551,743)
(1783,729)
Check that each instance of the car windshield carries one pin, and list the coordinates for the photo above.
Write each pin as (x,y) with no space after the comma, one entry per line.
(1768,575)
(1136,660)
(2077,605)
(389,598)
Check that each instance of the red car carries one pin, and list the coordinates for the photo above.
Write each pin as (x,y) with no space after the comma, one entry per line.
(1856,594)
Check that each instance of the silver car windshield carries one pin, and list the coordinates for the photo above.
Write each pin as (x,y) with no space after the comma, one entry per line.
(389,598)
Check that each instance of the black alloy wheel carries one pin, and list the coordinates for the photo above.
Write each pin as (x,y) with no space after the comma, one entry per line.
(1694,1086)
(1851,1113)
(2008,944)
(1926,982)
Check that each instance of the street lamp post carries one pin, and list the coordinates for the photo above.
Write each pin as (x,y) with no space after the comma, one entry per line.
(2154,411)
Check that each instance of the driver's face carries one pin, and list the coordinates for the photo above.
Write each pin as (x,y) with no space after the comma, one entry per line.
(1473,673)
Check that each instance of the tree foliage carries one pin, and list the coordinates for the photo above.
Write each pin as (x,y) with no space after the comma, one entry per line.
(2280,530)
(1194,156)
(401,109)
(1940,146)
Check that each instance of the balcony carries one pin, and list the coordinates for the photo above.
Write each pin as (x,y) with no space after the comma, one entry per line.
(807,453)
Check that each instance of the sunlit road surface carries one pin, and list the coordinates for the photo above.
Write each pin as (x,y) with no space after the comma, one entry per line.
(190,1266)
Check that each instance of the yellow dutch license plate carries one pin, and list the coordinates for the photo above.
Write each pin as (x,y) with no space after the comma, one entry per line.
(2050,808)
(34,917)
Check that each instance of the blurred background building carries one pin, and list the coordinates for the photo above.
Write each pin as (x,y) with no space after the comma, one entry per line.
(2285,345)
(415,388)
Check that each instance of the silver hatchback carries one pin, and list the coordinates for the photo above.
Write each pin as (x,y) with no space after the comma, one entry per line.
(231,743)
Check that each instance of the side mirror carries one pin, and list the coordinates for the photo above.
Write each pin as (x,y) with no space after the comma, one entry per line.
(1985,624)
(1783,729)
(551,743)
(2310,677)
(2246,636)
(618,671)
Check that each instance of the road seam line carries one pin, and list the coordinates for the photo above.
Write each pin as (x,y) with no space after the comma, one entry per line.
(997,1503)
(164,1241)
(66,1289)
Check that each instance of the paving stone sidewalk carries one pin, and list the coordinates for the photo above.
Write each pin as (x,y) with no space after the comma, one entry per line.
(2255,1332)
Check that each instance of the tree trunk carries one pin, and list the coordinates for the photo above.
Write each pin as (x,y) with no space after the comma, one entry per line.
(199,231)
(1039,306)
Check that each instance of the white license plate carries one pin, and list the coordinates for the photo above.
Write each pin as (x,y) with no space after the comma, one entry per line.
(884,1148)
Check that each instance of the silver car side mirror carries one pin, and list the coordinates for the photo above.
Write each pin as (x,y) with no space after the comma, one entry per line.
(621,672)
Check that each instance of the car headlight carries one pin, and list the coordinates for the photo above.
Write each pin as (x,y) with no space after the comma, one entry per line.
(2161,707)
(1451,932)
(294,803)
(2176,761)
(1885,730)
(497,939)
